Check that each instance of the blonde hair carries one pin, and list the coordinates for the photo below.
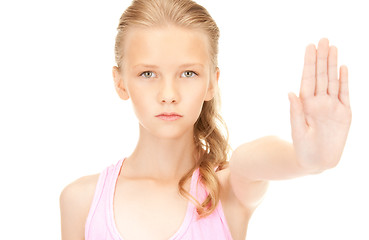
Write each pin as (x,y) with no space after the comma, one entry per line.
(212,146)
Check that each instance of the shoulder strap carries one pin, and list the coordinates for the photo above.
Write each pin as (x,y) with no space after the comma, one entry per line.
(101,202)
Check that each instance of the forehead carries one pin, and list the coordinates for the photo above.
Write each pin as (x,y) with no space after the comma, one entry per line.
(168,45)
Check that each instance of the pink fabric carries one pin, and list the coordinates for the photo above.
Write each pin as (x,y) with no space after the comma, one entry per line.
(100,224)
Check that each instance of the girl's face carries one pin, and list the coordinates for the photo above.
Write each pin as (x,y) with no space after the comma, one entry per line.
(166,70)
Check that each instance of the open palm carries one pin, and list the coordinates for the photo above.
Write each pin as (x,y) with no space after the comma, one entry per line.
(321,115)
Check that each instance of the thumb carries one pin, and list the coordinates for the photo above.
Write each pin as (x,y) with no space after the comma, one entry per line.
(297,116)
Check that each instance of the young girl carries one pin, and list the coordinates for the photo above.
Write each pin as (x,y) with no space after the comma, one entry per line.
(178,182)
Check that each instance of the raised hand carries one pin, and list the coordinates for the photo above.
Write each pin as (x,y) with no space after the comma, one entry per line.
(321,115)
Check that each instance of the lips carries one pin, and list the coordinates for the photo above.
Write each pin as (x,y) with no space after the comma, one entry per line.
(169,116)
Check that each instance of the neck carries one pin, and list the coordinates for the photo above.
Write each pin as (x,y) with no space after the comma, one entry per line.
(163,159)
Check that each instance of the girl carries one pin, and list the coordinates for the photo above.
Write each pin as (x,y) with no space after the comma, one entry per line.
(178,182)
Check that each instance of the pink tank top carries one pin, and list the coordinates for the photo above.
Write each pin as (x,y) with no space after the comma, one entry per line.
(100,224)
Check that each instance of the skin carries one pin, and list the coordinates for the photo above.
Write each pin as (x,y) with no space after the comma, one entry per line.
(164,150)
(320,120)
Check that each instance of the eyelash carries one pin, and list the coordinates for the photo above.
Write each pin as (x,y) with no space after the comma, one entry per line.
(195,73)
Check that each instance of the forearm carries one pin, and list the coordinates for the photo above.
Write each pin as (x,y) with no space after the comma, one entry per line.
(267,158)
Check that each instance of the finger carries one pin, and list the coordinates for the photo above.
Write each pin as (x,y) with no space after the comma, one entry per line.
(297,116)
(321,67)
(307,88)
(344,91)
(333,84)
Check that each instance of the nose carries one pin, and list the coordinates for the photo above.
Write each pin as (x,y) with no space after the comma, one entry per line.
(168,92)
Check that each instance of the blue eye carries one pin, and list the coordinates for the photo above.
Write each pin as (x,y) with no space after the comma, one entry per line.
(192,73)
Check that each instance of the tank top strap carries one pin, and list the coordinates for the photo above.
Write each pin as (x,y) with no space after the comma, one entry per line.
(115,171)
(217,215)
(191,208)
(198,189)
(100,222)
(101,201)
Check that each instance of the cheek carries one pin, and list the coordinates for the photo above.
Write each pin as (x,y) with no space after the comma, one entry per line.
(199,92)
(195,100)
(140,99)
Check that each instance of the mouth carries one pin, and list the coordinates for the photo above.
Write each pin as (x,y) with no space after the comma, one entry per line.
(169,116)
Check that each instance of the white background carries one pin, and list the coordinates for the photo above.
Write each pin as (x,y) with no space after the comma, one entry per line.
(60,117)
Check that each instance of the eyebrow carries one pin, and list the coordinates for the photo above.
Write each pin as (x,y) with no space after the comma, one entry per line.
(183,65)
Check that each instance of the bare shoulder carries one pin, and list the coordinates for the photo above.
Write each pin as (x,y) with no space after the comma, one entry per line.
(75,201)
(239,200)
(247,193)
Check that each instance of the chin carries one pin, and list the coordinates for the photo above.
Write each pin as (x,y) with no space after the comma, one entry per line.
(170,135)
(169,132)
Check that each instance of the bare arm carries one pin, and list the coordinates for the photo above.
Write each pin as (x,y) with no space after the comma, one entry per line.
(75,202)
(266,158)
(320,121)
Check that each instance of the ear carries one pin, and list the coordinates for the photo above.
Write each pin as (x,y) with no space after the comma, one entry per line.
(213,85)
(119,84)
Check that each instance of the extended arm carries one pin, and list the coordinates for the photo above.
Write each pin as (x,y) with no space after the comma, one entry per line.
(320,121)
(267,158)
